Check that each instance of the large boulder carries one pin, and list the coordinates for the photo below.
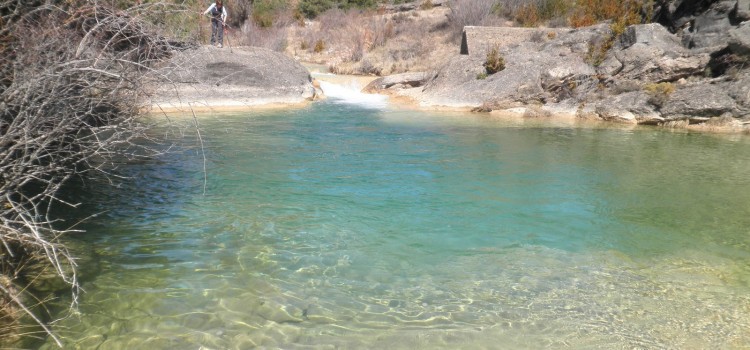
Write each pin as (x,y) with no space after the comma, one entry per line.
(739,39)
(702,24)
(630,107)
(739,90)
(546,69)
(698,102)
(209,77)
(649,52)
(709,29)
(742,11)
(395,81)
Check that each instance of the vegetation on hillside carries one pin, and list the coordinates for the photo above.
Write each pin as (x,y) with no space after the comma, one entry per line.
(373,37)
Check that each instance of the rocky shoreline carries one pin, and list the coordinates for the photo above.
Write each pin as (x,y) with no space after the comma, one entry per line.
(647,77)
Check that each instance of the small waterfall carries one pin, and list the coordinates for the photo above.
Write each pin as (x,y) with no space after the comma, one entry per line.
(350,92)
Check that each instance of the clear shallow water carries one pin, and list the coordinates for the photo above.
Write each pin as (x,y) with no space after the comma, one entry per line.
(343,226)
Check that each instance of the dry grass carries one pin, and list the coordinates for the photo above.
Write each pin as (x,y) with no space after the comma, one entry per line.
(589,12)
(377,43)
(658,93)
(473,13)
(575,13)
(272,38)
(373,44)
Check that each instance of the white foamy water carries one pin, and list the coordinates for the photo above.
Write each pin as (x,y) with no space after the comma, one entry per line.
(351,93)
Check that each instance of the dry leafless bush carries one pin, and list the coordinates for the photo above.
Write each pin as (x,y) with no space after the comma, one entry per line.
(373,44)
(341,30)
(531,13)
(472,13)
(342,36)
(273,38)
(72,83)
(407,50)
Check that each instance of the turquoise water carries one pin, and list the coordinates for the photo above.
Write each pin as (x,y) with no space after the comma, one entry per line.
(346,226)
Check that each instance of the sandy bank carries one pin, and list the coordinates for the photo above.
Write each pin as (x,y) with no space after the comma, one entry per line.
(220,105)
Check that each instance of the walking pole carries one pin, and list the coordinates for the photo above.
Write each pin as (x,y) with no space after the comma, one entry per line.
(200,29)
(226,35)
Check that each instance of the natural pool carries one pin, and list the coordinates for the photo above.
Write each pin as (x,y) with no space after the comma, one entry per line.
(351,225)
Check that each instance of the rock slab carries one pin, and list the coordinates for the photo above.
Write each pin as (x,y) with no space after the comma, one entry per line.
(214,78)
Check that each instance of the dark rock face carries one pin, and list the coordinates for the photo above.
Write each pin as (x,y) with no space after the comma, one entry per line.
(708,30)
(740,92)
(629,107)
(702,24)
(649,52)
(739,39)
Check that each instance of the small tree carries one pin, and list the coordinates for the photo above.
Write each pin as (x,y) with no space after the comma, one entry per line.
(313,8)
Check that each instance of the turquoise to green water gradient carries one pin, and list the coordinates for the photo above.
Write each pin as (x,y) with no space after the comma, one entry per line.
(343,226)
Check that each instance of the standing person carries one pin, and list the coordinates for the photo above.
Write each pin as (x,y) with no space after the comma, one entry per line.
(218,19)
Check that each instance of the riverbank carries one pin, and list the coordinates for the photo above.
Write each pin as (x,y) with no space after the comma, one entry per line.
(210,80)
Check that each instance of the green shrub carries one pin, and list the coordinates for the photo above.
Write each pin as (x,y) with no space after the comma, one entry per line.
(313,8)
(265,11)
(549,9)
(360,4)
(495,62)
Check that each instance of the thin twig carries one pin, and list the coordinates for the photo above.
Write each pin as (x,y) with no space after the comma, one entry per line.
(31,314)
(198,130)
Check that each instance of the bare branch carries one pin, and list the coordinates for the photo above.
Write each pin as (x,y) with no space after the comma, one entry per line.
(72,77)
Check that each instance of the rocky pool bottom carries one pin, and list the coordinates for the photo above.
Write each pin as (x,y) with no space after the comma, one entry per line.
(345,225)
